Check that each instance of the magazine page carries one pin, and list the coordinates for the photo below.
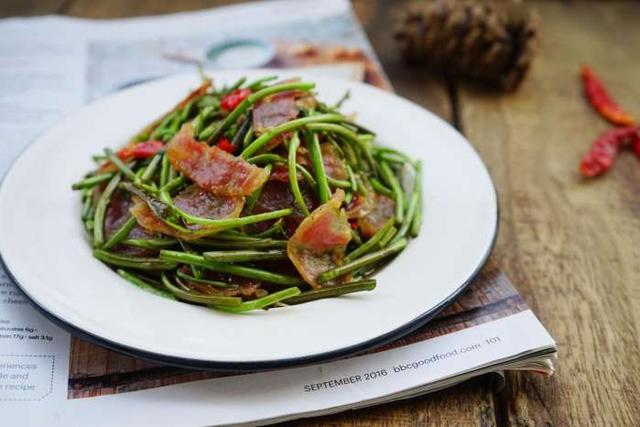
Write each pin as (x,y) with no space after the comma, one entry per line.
(69,380)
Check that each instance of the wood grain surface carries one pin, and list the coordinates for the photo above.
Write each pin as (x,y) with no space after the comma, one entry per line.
(569,246)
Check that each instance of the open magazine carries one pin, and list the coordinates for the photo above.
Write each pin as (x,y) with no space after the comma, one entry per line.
(52,65)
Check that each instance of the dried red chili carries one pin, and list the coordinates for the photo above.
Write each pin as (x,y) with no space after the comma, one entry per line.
(599,98)
(605,148)
(636,146)
(230,101)
(225,145)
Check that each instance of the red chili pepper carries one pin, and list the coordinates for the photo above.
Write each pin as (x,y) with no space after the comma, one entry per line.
(599,98)
(142,150)
(354,223)
(636,146)
(604,150)
(230,101)
(225,145)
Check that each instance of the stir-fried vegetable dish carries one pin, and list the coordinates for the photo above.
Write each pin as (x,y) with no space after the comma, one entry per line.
(251,196)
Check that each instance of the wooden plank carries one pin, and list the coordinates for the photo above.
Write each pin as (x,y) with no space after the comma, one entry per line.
(32,7)
(570,246)
(127,8)
(416,84)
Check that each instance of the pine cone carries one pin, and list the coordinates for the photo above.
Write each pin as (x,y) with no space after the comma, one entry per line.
(489,42)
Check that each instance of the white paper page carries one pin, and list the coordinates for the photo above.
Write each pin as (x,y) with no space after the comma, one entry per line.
(41,79)
(129,50)
(34,355)
(311,390)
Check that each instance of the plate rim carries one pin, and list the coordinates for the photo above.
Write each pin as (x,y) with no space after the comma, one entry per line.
(257,365)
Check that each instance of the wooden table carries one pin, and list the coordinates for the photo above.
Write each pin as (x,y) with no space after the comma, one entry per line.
(571,247)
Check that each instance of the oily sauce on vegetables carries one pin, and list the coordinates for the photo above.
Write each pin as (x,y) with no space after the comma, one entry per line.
(251,196)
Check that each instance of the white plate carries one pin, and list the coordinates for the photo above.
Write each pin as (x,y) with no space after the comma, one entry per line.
(43,245)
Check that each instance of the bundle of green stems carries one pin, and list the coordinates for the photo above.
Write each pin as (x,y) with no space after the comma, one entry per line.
(236,250)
